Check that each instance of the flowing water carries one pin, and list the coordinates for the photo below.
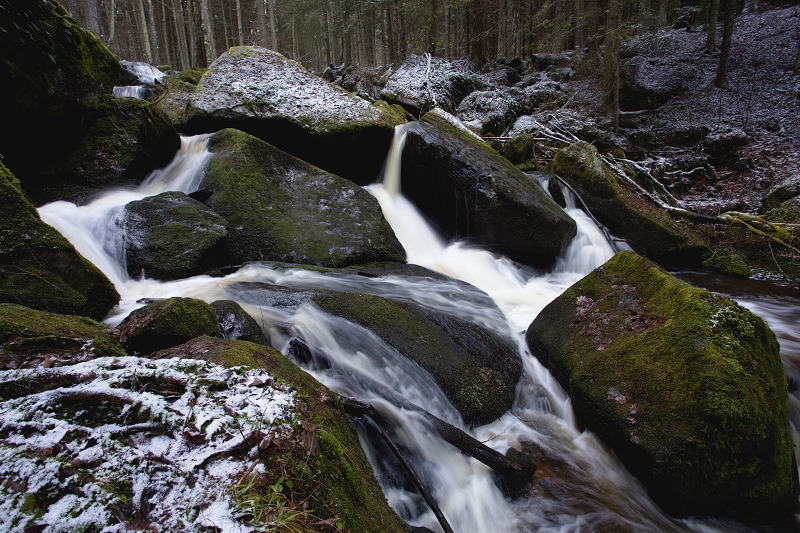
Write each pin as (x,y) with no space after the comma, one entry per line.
(581,486)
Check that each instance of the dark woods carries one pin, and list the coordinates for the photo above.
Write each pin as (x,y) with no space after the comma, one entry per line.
(192,33)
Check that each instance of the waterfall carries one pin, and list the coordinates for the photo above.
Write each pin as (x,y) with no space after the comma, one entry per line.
(146,72)
(129,91)
(588,488)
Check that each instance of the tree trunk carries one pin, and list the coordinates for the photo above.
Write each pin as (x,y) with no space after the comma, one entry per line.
(225,28)
(151,25)
(112,11)
(148,52)
(713,16)
(273,32)
(239,21)
(180,34)
(611,61)
(261,12)
(732,8)
(796,66)
(168,49)
(208,33)
(477,39)
(92,20)
(194,56)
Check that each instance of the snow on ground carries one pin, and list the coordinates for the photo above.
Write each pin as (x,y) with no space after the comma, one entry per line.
(132,444)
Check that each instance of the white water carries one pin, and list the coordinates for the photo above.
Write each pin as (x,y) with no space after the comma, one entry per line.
(129,91)
(146,72)
(588,488)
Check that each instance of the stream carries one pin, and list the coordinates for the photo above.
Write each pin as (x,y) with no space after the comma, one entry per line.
(580,485)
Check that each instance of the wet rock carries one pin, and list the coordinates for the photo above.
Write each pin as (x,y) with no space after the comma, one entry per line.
(476,369)
(31,338)
(171,236)
(626,215)
(721,143)
(39,268)
(167,323)
(53,72)
(271,97)
(235,323)
(785,190)
(418,88)
(473,192)
(281,208)
(684,385)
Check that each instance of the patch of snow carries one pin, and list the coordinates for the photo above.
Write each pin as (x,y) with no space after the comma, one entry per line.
(165,456)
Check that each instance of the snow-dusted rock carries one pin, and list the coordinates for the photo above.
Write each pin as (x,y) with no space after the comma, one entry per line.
(276,99)
(419,85)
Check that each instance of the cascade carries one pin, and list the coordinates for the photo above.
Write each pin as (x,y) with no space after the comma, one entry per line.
(590,489)
(129,91)
(146,72)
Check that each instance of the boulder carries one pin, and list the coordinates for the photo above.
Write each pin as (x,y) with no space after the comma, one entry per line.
(492,112)
(473,192)
(171,236)
(167,323)
(274,98)
(30,338)
(53,73)
(281,208)
(476,369)
(39,268)
(119,142)
(179,90)
(419,88)
(235,323)
(250,430)
(685,386)
(322,454)
(628,216)
(782,191)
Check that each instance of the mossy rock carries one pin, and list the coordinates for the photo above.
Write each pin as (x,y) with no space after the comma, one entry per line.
(782,192)
(235,323)
(167,323)
(728,262)
(476,369)
(473,192)
(519,149)
(179,89)
(281,208)
(327,465)
(276,99)
(171,236)
(39,268)
(685,386)
(119,142)
(625,214)
(29,337)
(53,72)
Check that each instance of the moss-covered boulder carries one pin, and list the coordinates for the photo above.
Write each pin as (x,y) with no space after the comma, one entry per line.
(29,338)
(54,72)
(39,268)
(171,236)
(729,262)
(686,386)
(119,142)
(476,369)
(235,323)
(179,90)
(473,192)
(167,323)
(647,227)
(322,457)
(281,208)
(276,99)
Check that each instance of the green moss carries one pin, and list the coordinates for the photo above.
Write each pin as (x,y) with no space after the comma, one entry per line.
(39,268)
(686,386)
(324,461)
(167,323)
(621,210)
(281,208)
(519,149)
(728,262)
(476,370)
(120,489)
